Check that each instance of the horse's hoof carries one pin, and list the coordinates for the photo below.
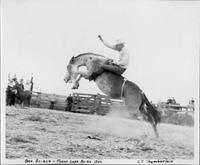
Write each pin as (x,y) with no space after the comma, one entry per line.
(75,86)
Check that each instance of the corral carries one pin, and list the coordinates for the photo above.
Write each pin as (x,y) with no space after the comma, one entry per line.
(81,102)
(43,100)
(101,105)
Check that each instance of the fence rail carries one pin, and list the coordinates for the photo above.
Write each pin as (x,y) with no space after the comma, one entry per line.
(93,103)
(45,100)
(90,103)
(82,102)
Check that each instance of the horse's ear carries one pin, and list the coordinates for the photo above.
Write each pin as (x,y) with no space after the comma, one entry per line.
(72,60)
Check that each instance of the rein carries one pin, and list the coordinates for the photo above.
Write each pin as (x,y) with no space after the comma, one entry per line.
(122,89)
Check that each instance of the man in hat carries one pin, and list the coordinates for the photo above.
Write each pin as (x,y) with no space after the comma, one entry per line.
(52,99)
(27,85)
(15,81)
(10,94)
(117,67)
(121,65)
(21,83)
(69,101)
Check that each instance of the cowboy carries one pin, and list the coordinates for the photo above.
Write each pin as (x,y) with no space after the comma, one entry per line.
(21,83)
(120,66)
(10,83)
(15,81)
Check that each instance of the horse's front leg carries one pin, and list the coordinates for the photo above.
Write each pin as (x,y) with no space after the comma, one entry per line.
(81,74)
(85,75)
(76,83)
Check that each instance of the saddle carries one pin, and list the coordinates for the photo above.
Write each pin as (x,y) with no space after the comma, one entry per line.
(109,67)
(96,74)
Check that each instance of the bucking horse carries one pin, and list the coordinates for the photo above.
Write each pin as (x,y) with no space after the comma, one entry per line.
(113,85)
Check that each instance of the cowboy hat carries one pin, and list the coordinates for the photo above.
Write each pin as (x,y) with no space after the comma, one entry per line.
(119,41)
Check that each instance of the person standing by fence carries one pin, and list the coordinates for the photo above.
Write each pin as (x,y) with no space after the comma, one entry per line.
(69,101)
(52,101)
(10,94)
(21,83)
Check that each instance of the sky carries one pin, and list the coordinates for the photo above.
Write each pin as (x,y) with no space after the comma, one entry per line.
(40,36)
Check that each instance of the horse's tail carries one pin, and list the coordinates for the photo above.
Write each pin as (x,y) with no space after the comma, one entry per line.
(152,114)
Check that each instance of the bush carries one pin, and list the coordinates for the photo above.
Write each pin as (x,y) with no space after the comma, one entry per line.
(178,119)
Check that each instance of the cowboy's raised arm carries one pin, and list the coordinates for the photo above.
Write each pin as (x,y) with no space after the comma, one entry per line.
(106,44)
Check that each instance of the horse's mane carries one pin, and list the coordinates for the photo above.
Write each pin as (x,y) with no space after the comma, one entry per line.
(93,54)
(85,54)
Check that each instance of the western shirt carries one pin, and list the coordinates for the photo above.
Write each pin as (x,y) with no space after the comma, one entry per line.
(124,58)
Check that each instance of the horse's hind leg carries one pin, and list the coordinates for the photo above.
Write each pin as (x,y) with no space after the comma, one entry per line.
(154,125)
(147,117)
(138,115)
(146,124)
(155,130)
(29,102)
(22,104)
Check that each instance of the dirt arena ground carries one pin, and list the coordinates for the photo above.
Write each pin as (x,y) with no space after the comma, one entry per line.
(41,133)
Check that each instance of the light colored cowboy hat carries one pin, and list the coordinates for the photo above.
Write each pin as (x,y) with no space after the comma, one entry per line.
(119,41)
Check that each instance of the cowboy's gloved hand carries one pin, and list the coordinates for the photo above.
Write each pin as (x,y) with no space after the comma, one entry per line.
(99,36)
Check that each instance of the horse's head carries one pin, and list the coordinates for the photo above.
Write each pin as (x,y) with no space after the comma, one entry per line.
(89,60)
(72,71)
(68,76)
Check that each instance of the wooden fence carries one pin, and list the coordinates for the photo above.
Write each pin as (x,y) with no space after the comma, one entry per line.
(44,100)
(94,104)
(82,102)
(90,103)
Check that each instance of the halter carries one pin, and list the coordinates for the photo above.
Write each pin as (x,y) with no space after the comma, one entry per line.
(122,89)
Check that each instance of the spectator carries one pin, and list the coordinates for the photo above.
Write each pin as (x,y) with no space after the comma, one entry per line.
(173,100)
(169,101)
(21,83)
(191,104)
(69,101)
(52,101)
(15,81)
(27,85)
(10,94)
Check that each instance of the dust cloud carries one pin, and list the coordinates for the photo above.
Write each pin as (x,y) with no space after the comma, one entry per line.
(117,123)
